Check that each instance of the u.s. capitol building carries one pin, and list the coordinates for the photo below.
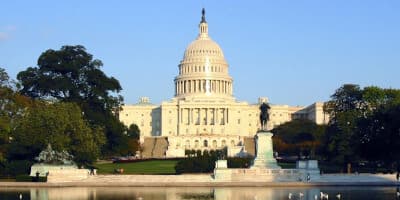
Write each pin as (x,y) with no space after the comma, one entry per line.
(204,114)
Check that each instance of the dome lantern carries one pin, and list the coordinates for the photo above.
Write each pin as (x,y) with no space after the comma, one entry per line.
(203,32)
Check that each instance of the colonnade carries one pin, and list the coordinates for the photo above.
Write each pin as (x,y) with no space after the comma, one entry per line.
(189,69)
(203,86)
(203,116)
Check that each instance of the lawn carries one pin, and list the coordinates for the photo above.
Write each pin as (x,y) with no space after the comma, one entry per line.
(145,167)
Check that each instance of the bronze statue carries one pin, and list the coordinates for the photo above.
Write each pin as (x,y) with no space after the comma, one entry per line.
(264,115)
(49,156)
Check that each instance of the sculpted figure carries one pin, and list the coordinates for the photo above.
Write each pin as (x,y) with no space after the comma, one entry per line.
(264,115)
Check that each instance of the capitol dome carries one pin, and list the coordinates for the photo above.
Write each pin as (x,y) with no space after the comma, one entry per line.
(203,70)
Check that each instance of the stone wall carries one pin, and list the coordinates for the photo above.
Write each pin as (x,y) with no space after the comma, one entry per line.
(67,175)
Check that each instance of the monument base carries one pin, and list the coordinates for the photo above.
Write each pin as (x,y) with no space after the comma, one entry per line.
(42,169)
(264,155)
(265,164)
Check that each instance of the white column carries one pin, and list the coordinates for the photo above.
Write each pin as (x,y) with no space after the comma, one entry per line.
(227,115)
(225,87)
(179,87)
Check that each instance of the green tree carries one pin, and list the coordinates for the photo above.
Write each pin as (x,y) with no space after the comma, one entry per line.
(12,107)
(133,134)
(72,75)
(298,137)
(59,124)
(379,131)
(356,115)
(133,131)
(344,108)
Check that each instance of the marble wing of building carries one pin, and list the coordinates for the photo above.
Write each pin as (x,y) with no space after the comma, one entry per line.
(204,114)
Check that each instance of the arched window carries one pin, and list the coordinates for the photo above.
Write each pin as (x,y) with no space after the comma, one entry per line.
(196,144)
(205,143)
(214,144)
(223,143)
(187,144)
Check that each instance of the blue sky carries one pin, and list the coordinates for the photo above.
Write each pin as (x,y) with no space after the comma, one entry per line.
(293,52)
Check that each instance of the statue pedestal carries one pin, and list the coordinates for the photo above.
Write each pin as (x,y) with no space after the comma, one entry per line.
(264,152)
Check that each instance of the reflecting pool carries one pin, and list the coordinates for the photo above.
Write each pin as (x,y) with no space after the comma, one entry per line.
(197,193)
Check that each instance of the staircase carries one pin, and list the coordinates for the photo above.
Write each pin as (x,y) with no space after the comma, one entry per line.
(249,145)
(154,147)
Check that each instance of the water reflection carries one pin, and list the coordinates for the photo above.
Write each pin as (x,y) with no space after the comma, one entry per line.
(197,193)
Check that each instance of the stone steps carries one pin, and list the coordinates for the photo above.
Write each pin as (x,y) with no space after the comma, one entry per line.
(154,147)
(249,145)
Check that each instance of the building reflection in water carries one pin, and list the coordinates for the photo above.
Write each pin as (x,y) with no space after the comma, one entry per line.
(169,193)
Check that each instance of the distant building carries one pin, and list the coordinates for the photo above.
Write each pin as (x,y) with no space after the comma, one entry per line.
(204,115)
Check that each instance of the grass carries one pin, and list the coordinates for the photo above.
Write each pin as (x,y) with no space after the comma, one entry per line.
(145,167)
(287,165)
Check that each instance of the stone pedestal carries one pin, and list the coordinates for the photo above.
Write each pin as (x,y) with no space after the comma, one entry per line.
(309,169)
(264,152)
(221,171)
(43,169)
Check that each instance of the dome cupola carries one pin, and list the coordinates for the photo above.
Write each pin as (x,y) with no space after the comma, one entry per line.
(203,70)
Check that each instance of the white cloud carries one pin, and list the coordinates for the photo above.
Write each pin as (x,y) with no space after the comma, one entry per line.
(6,31)
(4,36)
(10,28)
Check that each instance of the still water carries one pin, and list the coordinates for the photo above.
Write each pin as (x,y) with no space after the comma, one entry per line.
(197,193)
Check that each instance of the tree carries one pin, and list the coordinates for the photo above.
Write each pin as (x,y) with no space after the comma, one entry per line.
(344,108)
(379,131)
(357,117)
(133,134)
(59,124)
(298,137)
(72,75)
(12,107)
(133,131)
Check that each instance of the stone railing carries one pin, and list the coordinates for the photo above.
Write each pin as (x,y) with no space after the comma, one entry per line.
(67,175)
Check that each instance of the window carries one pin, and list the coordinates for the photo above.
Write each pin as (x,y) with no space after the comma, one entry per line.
(205,143)
(214,144)
(223,143)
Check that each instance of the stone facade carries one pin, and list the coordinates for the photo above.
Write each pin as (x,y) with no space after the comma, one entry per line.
(204,114)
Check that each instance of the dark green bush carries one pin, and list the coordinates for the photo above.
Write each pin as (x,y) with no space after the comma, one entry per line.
(27,178)
(240,162)
(204,162)
(17,167)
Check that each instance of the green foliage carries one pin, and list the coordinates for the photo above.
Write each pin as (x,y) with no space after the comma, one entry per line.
(72,75)
(141,167)
(379,135)
(240,162)
(298,137)
(202,163)
(12,108)
(17,167)
(59,124)
(344,108)
(133,131)
(364,123)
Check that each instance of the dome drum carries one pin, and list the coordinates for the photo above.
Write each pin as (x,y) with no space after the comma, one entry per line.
(203,70)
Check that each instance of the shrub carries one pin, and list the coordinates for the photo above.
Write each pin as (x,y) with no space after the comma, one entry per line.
(240,162)
(17,167)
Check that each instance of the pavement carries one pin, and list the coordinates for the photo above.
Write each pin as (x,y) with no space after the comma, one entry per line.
(206,180)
